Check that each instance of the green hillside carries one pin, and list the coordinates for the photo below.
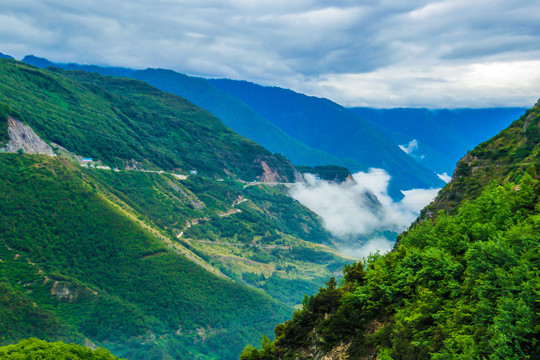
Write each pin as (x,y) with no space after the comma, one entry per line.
(86,264)
(146,259)
(463,284)
(230,110)
(127,123)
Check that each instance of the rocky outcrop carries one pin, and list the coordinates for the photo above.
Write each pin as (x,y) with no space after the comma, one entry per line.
(22,137)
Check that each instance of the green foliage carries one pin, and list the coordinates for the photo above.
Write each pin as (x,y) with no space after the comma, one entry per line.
(38,349)
(87,265)
(464,286)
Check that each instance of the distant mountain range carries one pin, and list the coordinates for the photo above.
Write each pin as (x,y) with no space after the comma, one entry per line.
(439,138)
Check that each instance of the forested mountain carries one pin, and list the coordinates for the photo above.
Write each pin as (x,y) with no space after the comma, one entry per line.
(325,125)
(460,284)
(124,122)
(156,247)
(439,138)
(230,110)
(307,130)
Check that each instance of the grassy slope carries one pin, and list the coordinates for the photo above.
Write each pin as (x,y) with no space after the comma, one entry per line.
(88,266)
(268,240)
(126,122)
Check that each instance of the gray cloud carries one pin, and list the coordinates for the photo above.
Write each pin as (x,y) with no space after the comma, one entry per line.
(309,45)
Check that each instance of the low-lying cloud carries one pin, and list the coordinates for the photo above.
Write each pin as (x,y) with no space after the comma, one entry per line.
(359,211)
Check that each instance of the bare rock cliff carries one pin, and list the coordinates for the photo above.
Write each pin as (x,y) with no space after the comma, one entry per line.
(21,136)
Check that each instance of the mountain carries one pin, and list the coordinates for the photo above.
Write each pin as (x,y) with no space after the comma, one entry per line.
(124,122)
(325,125)
(142,230)
(439,138)
(5,56)
(230,110)
(360,149)
(461,284)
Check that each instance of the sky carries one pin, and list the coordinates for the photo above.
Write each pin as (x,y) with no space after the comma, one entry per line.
(376,53)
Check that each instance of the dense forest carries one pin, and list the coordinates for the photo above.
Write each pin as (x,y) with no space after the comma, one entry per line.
(461,283)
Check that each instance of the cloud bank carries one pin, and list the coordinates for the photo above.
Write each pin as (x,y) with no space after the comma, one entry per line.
(360,211)
(431,53)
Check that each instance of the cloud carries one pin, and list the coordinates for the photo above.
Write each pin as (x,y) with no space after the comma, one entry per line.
(361,208)
(445,177)
(413,145)
(444,53)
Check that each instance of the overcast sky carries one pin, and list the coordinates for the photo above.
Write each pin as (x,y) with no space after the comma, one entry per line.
(386,53)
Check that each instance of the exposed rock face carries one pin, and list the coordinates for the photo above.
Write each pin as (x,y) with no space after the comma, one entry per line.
(21,136)
(269,175)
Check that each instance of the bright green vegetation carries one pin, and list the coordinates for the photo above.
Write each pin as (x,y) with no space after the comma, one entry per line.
(39,349)
(253,234)
(503,158)
(462,284)
(127,123)
(94,271)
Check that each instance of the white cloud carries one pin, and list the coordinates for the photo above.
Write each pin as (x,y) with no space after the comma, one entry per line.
(411,146)
(445,177)
(361,208)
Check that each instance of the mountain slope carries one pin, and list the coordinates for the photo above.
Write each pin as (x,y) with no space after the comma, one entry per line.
(463,285)
(440,137)
(127,123)
(230,110)
(325,125)
(503,158)
(70,250)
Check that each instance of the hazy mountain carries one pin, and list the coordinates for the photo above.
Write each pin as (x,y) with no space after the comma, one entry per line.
(439,138)
(323,124)
(460,285)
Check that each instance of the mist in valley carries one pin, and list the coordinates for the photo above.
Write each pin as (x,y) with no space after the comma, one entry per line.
(359,212)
